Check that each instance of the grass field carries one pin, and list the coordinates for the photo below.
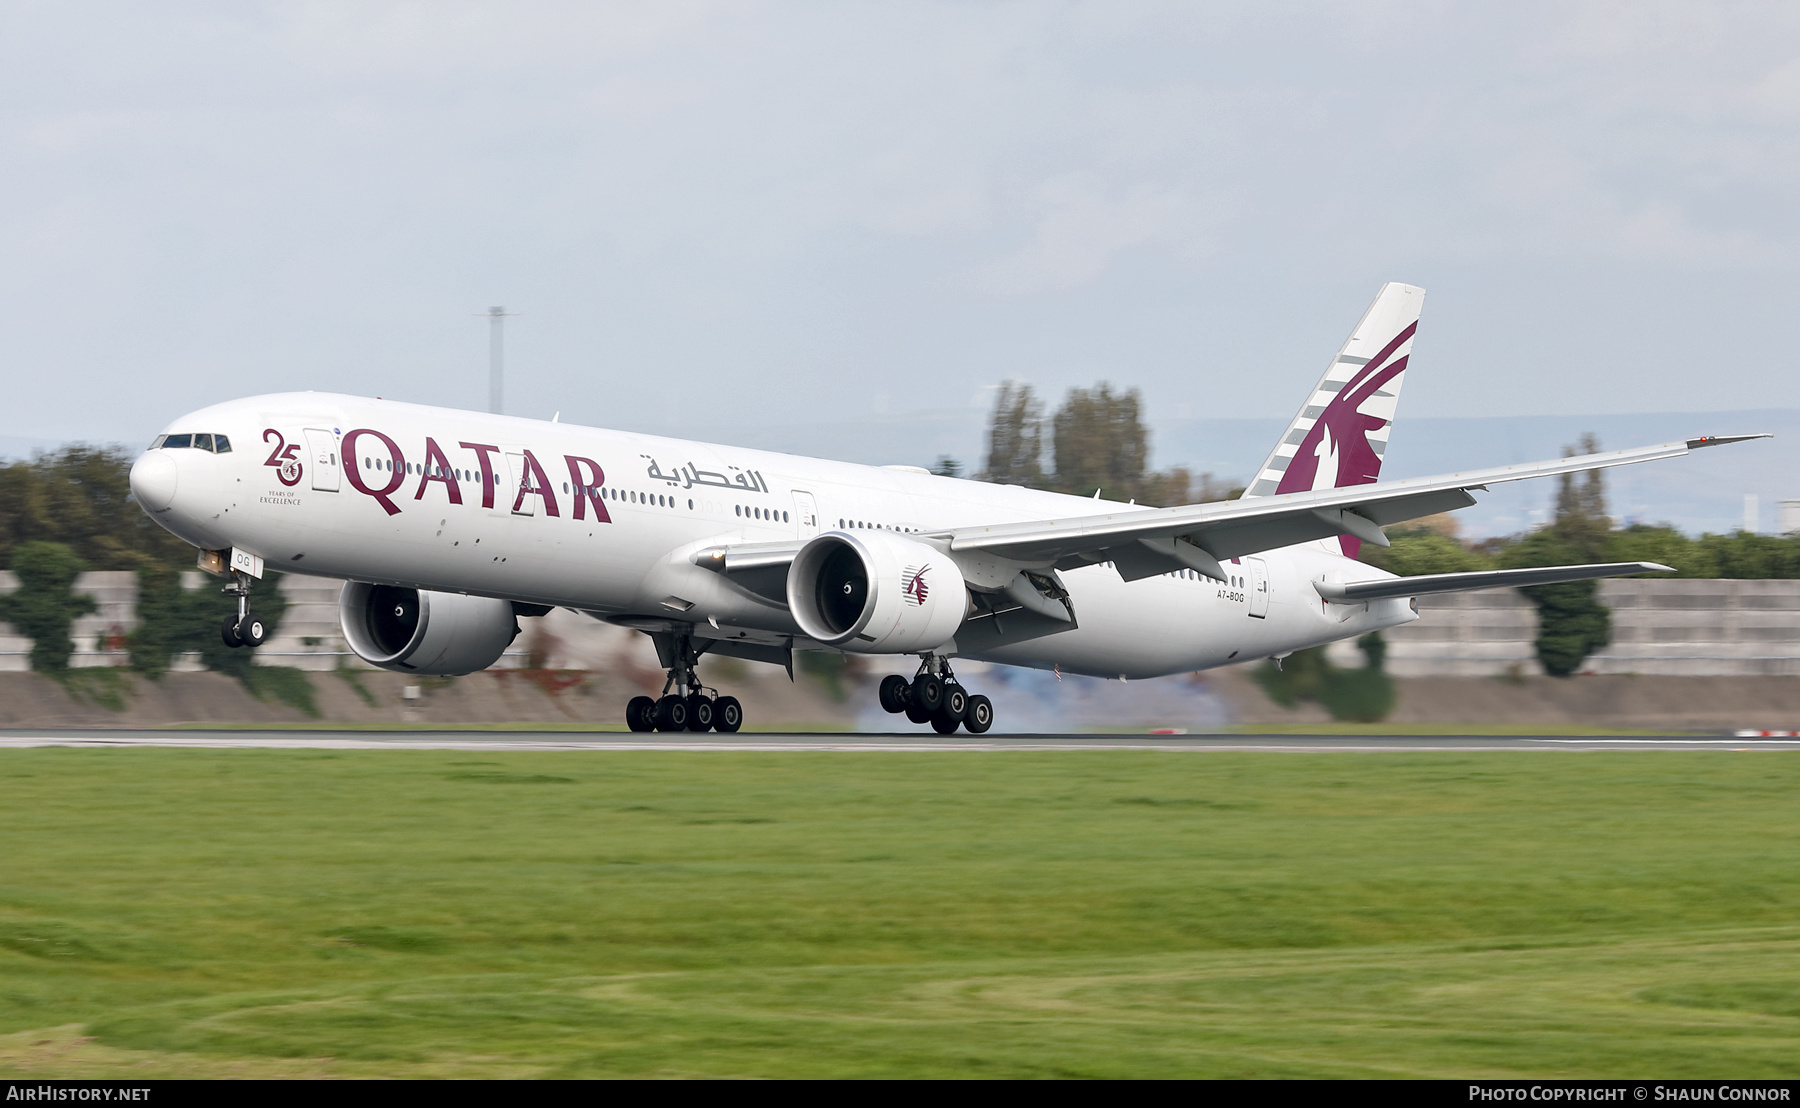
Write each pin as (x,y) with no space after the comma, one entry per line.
(279,913)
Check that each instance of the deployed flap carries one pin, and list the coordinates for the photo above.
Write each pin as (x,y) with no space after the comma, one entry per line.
(1426,583)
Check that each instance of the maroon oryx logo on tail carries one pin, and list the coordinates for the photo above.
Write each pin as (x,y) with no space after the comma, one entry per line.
(913,586)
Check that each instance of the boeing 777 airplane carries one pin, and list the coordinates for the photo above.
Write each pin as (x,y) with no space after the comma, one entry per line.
(447,525)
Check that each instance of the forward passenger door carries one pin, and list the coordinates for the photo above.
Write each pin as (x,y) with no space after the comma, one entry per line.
(322,459)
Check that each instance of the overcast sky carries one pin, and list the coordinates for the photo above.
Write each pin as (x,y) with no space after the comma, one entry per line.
(710,214)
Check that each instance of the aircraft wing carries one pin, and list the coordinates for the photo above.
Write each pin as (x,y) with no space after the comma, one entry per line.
(1146,542)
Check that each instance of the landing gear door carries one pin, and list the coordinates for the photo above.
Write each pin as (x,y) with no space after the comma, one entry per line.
(516,494)
(322,459)
(806,514)
(1259,587)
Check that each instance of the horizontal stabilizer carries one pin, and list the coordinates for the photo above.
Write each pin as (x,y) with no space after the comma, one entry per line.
(1389,587)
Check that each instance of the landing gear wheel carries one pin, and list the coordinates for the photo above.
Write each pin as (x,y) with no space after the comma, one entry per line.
(640,714)
(251,631)
(928,692)
(956,702)
(979,716)
(893,693)
(728,714)
(700,713)
(944,723)
(672,714)
(229,632)
(917,712)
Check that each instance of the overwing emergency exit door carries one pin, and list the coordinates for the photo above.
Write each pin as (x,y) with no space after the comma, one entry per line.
(1259,587)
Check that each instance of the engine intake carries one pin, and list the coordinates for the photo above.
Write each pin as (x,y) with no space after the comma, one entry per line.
(876,593)
(427,633)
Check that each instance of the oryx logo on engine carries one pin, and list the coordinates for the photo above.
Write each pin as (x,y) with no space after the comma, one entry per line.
(913,586)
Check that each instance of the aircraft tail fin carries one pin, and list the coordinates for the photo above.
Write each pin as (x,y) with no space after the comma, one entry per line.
(1340,435)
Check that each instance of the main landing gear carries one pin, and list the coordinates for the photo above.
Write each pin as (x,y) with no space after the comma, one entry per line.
(935,696)
(242,629)
(690,707)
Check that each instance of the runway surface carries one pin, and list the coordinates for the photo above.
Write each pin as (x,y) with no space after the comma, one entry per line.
(773,742)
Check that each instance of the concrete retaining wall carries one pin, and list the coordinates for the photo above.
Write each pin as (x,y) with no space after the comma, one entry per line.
(1669,628)
(1684,628)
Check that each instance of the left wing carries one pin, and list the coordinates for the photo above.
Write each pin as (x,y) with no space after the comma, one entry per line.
(1150,541)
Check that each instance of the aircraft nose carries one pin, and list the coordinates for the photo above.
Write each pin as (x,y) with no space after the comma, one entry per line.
(153,479)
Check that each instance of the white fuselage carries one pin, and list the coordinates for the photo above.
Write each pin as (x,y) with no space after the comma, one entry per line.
(452,523)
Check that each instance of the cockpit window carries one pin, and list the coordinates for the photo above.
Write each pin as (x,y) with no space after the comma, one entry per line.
(218,444)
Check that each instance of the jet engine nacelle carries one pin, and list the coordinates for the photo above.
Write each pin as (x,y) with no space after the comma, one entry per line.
(875,592)
(428,633)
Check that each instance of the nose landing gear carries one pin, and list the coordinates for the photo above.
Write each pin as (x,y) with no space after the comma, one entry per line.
(935,696)
(242,629)
(691,706)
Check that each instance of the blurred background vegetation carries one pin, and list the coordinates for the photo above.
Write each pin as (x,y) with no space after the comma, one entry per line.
(70,511)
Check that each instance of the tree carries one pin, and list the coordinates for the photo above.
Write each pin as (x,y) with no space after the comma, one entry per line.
(1416,550)
(80,496)
(1749,555)
(1099,443)
(1662,544)
(1360,695)
(1581,520)
(1572,623)
(1173,487)
(45,606)
(1016,438)
(173,620)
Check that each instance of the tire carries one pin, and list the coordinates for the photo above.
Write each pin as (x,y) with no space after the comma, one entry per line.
(671,713)
(956,702)
(252,631)
(728,714)
(944,723)
(893,693)
(928,692)
(917,713)
(700,713)
(980,715)
(640,714)
(228,631)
